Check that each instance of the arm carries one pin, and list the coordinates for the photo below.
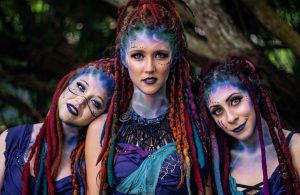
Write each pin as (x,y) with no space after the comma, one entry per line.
(295,150)
(2,157)
(92,150)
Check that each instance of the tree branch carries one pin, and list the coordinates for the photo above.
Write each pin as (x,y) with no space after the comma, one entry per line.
(272,21)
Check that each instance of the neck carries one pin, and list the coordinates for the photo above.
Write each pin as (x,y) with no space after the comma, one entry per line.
(252,144)
(150,106)
(69,137)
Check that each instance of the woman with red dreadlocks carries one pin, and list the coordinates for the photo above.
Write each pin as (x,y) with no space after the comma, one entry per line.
(150,141)
(251,153)
(50,156)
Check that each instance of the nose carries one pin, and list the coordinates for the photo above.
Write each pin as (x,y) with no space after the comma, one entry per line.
(81,101)
(150,66)
(231,117)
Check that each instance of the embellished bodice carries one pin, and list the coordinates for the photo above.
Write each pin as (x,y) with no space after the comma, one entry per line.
(17,142)
(140,138)
(149,134)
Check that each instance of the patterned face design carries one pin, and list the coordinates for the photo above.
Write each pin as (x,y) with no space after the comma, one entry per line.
(232,109)
(148,60)
(83,100)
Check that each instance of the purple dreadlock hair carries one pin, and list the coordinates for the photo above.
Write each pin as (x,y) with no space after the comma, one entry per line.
(243,73)
(47,148)
(161,18)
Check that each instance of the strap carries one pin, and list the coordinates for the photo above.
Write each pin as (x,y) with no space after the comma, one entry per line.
(250,188)
(290,135)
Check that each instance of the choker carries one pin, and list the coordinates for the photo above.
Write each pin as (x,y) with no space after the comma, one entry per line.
(135,117)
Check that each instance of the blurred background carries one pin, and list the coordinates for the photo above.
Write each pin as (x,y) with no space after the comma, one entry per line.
(41,40)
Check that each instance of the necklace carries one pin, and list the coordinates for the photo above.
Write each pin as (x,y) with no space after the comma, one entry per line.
(135,117)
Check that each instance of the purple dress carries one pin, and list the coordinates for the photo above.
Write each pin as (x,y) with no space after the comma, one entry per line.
(17,142)
(137,139)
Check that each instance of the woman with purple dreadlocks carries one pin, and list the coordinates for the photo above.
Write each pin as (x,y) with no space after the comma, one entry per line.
(150,144)
(48,158)
(250,151)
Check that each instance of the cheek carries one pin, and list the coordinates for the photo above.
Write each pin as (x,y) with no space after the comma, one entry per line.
(61,99)
(246,108)
(165,63)
(88,117)
(221,124)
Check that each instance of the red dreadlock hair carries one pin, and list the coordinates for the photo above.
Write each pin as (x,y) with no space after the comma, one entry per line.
(160,15)
(243,72)
(47,161)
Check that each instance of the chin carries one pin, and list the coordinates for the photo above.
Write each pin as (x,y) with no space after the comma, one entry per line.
(74,124)
(244,136)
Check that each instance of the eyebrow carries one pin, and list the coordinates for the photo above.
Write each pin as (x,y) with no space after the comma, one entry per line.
(101,99)
(163,50)
(231,96)
(84,82)
(135,50)
(227,99)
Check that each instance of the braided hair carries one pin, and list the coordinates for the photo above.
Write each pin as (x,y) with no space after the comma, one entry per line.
(47,148)
(158,17)
(242,72)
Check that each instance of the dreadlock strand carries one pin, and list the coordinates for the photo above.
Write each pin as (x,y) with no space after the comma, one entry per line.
(279,147)
(260,134)
(193,151)
(122,13)
(226,165)
(183,129)
(59,150)
(73,174)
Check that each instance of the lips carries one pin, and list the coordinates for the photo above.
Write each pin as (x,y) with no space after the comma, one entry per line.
(72,109)
(239,128)
(149,80)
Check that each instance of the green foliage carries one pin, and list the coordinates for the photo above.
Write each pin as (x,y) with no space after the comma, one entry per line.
(40,42)
(283,59)
(275,51)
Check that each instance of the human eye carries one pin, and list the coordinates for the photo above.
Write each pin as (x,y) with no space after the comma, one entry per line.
(217,111)
(137,56)
(161,55)
(236,100)
(81,87)
(97,104)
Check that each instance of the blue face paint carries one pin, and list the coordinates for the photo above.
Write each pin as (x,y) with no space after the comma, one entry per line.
(151,32)
(217,84)
(106,81)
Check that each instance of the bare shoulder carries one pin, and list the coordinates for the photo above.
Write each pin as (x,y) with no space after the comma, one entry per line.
(92,151)
(94,131)
(295,140)
(295,144)
(2,157)
(96,125)
(3,135)
(2,140)
(36,129)
(294,147)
